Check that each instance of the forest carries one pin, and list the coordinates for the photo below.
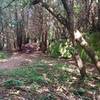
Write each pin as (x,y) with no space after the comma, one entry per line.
(49,49)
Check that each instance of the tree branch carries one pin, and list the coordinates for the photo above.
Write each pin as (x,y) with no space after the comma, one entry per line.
(58,16)
(8,4)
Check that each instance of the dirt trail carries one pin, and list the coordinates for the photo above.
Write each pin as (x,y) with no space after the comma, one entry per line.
(18,59)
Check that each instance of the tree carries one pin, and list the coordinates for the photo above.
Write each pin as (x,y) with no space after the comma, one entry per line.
(75,34)
(39,25)
(98,15)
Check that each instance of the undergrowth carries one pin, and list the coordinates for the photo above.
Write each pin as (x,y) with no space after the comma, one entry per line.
(41,74)
(3,55)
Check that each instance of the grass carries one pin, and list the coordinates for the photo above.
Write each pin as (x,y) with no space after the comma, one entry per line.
(3,55)
(27,75)
(41,74)
(38,73)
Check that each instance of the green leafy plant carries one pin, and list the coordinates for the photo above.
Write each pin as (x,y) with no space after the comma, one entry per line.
(3,55)
(61,49)
(94,41)
(80,91)
(49,96)
(83,55)
(12,83)
(28,75)
(54,49)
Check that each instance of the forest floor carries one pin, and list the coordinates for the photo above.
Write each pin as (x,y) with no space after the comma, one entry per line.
(19,59)
(39,77)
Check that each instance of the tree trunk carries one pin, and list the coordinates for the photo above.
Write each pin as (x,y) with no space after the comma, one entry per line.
(68,5)
(82,42)
(18,31)
(98,15)
(80,65)
(75,35)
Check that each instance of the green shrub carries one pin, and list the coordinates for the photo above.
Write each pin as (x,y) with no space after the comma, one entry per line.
(3,55)
(94,41)
(49,96)
(12,83)
(84,56)
(28,75)
(54,49)
(61,49)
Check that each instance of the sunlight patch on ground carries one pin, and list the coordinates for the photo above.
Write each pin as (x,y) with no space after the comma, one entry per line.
(50,64)
(43,89)
(29,60)
(3,60)
(49,61)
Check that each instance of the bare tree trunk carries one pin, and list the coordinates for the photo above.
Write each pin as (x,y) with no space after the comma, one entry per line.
(77,35)
(1,41)
(99,15)
(18,31)
(25,38)
(44,41)
(68,5)
(91,53)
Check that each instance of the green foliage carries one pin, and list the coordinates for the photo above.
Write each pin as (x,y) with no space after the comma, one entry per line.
(54,49)
(33,74)
(61,49)
(80,91)
(66,50)
(49,96)
(40,64)
(28,75)
(58,74)
(83,55)
(35,86)
(3,55)
(64,77)
(94,41)
(12,83)
(77,8)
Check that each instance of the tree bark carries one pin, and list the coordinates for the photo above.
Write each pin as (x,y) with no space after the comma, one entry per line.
(68,5)
(98,15)
(77,35)
(91,53)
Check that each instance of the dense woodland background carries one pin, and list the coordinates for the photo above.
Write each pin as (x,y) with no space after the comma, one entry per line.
(60,29)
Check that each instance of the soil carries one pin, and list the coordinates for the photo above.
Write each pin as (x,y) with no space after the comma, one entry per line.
(19,59)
